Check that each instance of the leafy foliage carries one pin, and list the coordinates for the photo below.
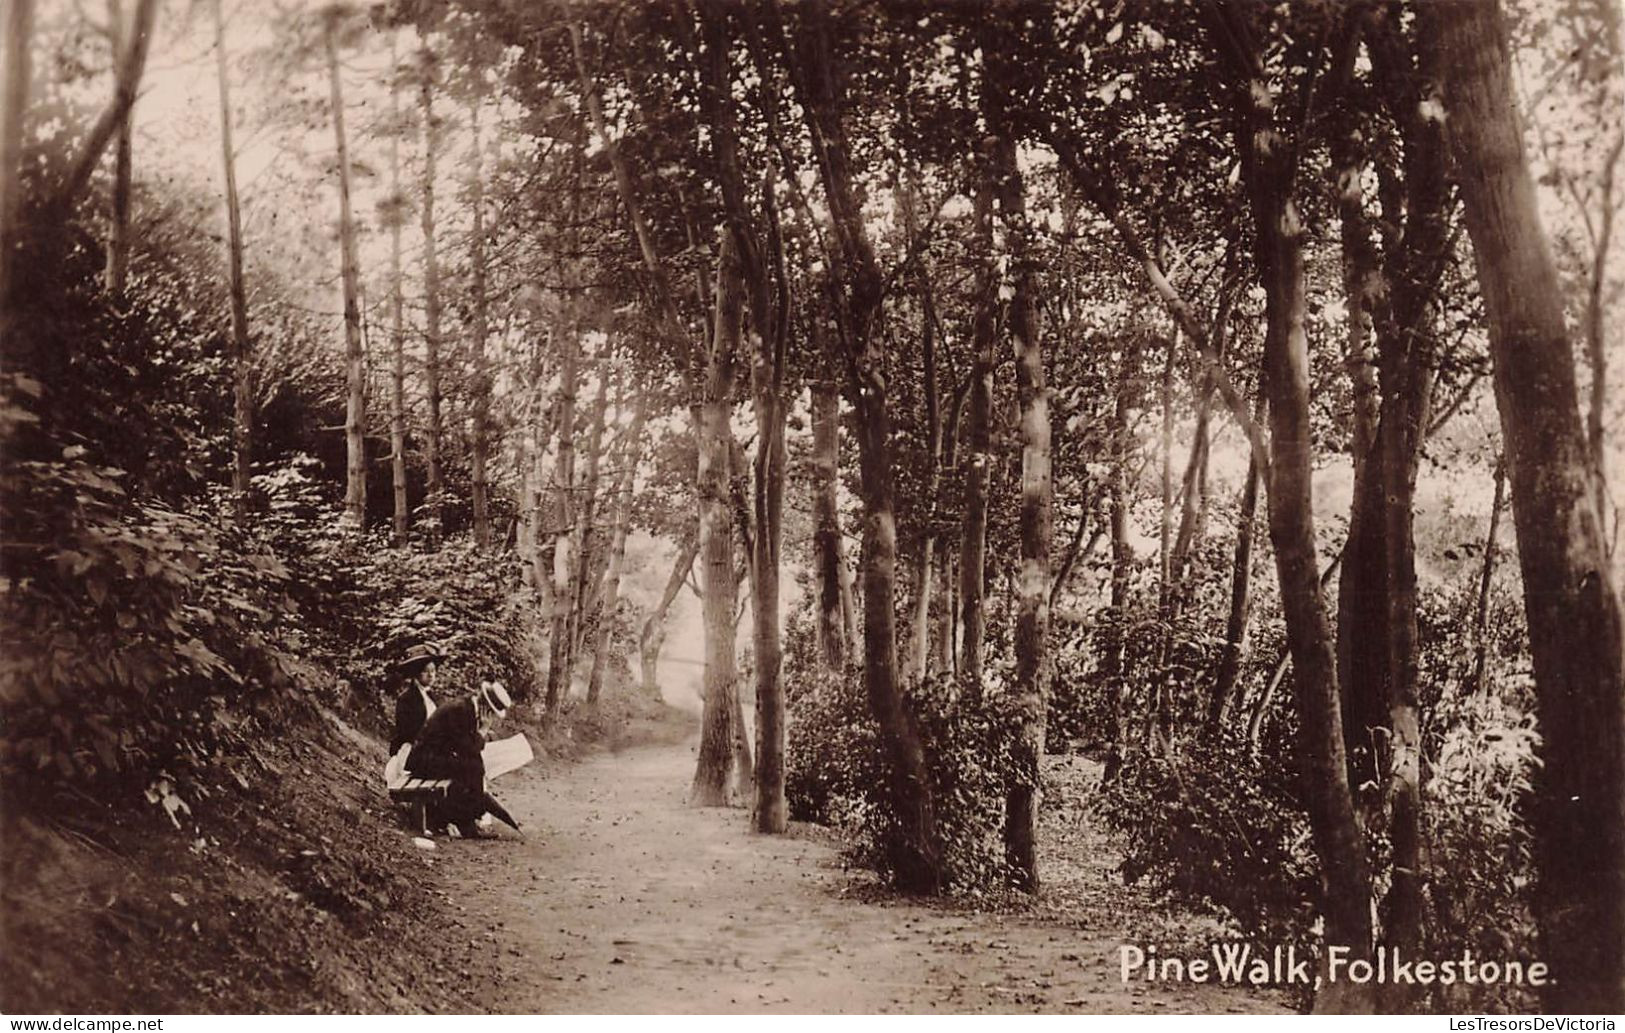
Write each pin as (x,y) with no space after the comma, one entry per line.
(1212,825)
(836,771)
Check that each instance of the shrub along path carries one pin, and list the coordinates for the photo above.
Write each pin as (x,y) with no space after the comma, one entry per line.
(622,899)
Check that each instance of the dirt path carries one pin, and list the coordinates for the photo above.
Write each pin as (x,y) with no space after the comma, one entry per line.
(622,899)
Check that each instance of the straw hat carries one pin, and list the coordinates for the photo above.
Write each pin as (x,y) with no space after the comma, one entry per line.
(495,696)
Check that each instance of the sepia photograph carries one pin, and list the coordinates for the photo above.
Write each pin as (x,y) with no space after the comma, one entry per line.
(812,507)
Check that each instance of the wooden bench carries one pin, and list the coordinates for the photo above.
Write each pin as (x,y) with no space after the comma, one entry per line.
(415,795)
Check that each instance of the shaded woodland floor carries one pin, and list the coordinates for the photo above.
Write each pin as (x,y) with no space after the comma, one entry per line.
(622,899)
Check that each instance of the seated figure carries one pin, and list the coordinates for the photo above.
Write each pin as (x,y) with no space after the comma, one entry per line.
(449,747)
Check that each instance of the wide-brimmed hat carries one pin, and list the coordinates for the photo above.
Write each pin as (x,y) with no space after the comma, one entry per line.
(417,658)
(496,697)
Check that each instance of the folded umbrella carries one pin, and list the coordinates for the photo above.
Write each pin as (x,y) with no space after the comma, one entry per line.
(500,812)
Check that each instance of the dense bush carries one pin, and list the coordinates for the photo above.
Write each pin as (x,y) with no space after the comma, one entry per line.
(837,773)
(139,630)
(365,603)
(1210,824)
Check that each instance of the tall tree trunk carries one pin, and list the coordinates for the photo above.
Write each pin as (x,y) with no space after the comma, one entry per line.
(540,554)
(482,376)
(242,423)
(915,852)
(1362,628)
(920,625)
(525,532)
(1036,522)
(978,459)
(714,436)
(586,548)
(1114,664)
(1569,595)
(827,546)
(1363,589)
(1241,580)
(118,235)
(15,65)
(564,518)
(1406,341)
(772,812)
(355,373)
(129,65)
(1481,623)
(436,486)
(397,314)
(610,598)
(761,257)
(1269,177)
(653,633)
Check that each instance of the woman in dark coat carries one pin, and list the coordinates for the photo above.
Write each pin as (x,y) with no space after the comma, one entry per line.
(449,746)
(414,704)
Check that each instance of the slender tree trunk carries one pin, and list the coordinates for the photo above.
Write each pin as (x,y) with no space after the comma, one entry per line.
(827,548)
(1269,177)
(355,373)
(1406,340)
(1165,525)
(978,460)
(564,518)
(653,634)
(587,533)
(540,554)
(920,624)
(431,295)
(15,65)
(1114,664)
(241,357)
(118,236)
(1362,629)
(1241,579)
(1037,504)
(772,812)
(915,852)
(1571,601)
(131,62)
(1596,304)
(525,533)
(714,436)
(397,315)
(611,595)
(1481,624)
(482,376)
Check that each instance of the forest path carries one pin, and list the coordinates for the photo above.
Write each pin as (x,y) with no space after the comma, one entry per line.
(623,899)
